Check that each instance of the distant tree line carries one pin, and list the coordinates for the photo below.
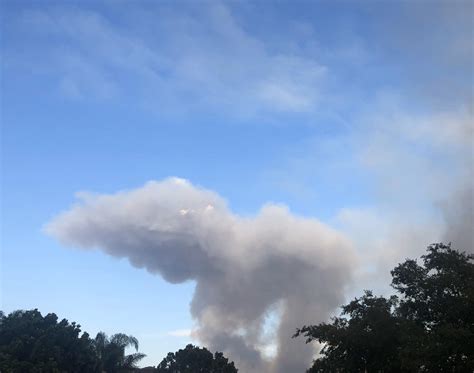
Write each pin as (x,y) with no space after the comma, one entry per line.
(32,343)
(427,327)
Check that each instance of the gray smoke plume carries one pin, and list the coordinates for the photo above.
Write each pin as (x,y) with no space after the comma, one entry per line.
(459,218)
(243,267)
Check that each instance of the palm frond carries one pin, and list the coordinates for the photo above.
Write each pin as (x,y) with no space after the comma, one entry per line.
(132,360)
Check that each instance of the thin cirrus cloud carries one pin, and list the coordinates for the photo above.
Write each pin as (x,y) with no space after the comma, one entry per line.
(243,266)
(192,61)
(418,168)
(180,333)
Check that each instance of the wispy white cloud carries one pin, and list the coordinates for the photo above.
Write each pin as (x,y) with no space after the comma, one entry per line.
(180,333)
(419,167)
(188,61)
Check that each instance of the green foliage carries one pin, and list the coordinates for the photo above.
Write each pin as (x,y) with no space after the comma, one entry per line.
(430,328)
(30,342)
(193,359)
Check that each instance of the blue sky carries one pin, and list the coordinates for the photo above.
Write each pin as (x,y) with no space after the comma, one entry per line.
(358,114)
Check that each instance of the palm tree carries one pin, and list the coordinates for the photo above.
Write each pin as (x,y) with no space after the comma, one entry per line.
(111,352)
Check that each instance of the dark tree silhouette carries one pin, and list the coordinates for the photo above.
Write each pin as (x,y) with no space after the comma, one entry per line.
(193,359)
(437,303)
(364,339)
(30,342)
(430,328)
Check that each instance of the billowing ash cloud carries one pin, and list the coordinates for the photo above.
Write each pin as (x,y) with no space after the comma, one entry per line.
(243,267)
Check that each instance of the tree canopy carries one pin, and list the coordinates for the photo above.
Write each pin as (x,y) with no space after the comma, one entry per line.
(33,343)
(30,342)
(437,306)
(428,327)
(193,359)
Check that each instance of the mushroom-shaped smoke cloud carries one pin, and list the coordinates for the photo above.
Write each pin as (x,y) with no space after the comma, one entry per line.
(242,267)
